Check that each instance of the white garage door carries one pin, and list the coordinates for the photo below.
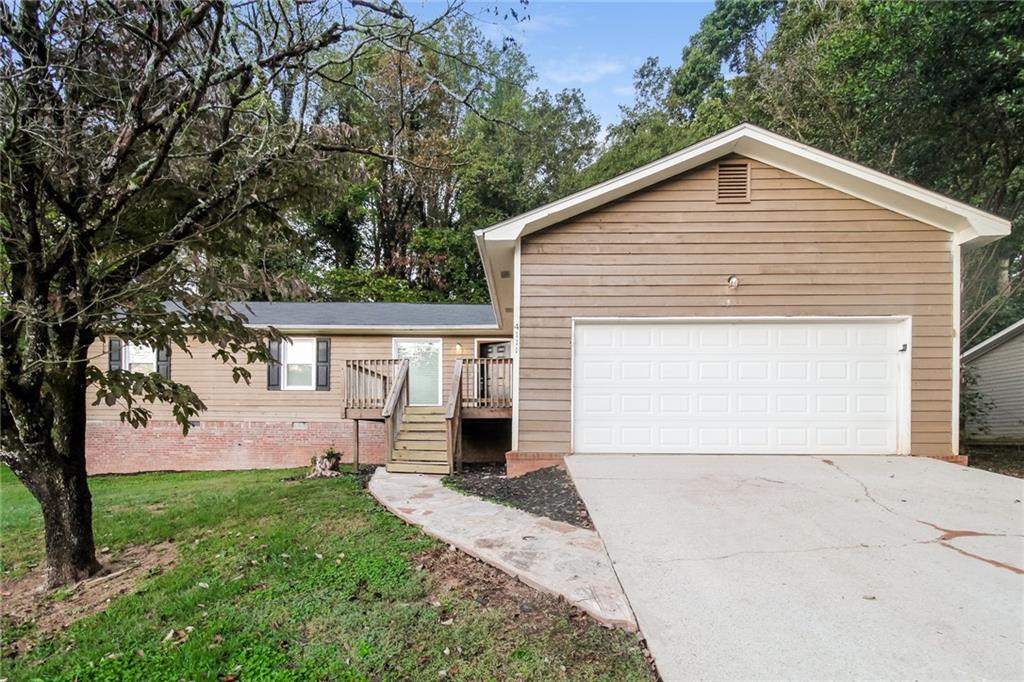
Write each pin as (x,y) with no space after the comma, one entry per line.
(772,387)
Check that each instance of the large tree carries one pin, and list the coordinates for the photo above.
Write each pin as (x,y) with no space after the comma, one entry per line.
(146,151)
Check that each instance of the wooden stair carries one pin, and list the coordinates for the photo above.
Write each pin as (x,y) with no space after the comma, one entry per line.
(421,446)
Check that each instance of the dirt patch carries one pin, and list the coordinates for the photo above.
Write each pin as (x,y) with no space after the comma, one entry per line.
(545,492)
(28,611)
(455,572)
(1001,459)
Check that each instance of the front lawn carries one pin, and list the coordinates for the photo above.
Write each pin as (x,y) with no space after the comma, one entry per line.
(290,580)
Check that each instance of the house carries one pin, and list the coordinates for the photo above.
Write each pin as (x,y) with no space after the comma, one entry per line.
(748,294)
(998,366)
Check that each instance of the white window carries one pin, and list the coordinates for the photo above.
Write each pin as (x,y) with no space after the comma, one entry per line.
(298,359)
(139,358)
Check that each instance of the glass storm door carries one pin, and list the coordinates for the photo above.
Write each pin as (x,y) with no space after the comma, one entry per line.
(424,356)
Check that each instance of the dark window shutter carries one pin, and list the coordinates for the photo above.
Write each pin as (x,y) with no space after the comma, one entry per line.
(115,354)
(323,363)
(163,362)
(274,367)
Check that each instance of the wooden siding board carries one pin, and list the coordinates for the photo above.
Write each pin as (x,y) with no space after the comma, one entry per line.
(799,248)
(228,401)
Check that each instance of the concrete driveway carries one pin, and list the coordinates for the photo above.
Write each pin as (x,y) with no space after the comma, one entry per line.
(763,567)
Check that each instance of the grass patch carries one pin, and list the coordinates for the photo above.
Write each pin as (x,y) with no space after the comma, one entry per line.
(286,580)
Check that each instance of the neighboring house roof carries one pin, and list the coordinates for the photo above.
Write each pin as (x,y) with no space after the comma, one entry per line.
(972,226)
(366,316)
(994,341)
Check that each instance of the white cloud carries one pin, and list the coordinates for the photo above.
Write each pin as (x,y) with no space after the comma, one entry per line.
(578,70)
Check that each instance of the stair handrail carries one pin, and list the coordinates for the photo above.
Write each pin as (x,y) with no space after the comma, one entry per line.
(453,420)
(394,407)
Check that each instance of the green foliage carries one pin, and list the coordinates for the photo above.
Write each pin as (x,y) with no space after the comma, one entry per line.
(305,580)
(449,264)
(974,406)
(357,284)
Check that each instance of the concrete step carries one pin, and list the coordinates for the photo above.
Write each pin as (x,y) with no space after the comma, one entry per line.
(418,468)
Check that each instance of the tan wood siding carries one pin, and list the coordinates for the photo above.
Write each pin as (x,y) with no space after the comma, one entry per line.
(228,401)
(798,248)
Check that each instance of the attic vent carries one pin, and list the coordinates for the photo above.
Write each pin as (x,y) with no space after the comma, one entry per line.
(733,182)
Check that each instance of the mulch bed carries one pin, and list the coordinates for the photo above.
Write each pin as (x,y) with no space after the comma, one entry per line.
(1001,459)
(545,492)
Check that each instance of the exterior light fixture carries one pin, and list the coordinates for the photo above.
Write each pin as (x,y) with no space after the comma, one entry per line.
(734,281)
(458,349)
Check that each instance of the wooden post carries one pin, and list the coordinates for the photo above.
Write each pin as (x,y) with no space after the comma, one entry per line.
(355,444)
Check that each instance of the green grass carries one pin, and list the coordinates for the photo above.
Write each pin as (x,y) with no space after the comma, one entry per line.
(274,611)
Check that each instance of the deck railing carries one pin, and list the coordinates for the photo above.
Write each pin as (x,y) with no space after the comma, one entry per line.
(368,382)
(394,408)
(453,419)
(487,382)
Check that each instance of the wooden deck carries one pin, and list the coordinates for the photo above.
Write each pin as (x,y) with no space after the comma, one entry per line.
(425,439)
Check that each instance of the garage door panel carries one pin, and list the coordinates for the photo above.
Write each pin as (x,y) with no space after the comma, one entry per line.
(781,387)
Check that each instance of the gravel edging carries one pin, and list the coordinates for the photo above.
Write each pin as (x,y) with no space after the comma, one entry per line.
(546,492)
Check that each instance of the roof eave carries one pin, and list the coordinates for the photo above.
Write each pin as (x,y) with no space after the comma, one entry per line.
(993,342)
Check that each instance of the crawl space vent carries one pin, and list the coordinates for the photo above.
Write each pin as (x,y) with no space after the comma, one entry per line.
(733,182)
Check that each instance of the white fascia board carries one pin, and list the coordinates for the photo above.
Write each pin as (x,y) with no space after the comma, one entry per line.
(496,308)
(969,224)
(370,330)
(993,341)
(872,186)
(616,188)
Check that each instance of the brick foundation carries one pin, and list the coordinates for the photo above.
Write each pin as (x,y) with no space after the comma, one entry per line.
(954,459)
(113,447)
(519,463)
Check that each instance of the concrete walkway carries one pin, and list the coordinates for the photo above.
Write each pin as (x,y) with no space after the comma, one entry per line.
(548,555)
(815,568)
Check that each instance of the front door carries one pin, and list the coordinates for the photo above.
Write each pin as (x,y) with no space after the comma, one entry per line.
(424,356)
(494,384)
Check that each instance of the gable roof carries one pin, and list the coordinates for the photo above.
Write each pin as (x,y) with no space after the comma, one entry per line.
(994,341)
(365,317)
(971,226)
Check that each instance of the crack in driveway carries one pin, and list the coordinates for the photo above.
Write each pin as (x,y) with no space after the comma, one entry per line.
(948,535)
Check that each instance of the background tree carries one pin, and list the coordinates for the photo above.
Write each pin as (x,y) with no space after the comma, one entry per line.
(147,152)
(451,169)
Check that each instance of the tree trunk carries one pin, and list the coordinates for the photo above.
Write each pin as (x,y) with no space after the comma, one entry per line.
(51,464)
(63,494)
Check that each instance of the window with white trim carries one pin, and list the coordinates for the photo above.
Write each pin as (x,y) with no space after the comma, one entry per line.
(139,358)
(298,359)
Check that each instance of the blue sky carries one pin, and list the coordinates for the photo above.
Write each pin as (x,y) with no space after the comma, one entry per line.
(594,46)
